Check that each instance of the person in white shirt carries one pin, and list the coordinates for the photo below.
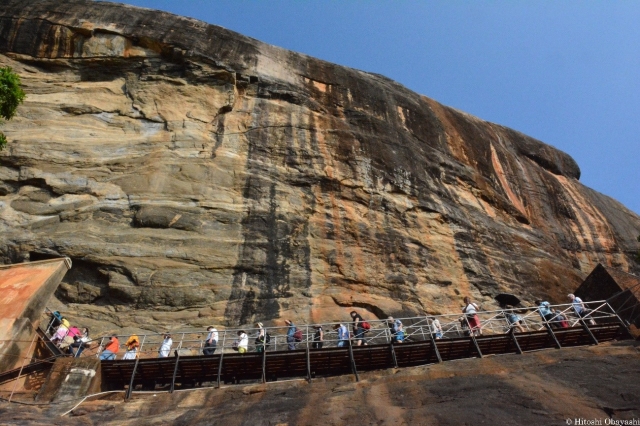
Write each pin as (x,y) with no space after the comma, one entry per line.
(243,342)
(471,312)
(165,347)
(579,308)
(436,328)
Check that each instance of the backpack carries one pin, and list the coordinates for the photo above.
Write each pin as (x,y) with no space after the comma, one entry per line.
(397,325)
(268,337)
(297,336)
(366,325)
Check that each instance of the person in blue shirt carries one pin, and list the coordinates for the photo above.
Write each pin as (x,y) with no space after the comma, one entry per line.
(579,308)
(291,341)
(343,334)
(544,308)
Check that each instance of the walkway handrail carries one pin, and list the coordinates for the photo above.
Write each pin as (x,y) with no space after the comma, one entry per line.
(190,342)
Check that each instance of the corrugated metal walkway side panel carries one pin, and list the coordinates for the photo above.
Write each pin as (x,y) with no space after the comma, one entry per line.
(196,371)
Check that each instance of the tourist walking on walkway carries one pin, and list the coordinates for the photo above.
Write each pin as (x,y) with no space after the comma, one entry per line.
(291,331)
(544,309)
(436,328)
(165,346)
(262,338)
(242,342)
(358,328)
(343,334)
(132,344)
(211,342)
(79,342)
(471,313)
(580,309)
(514,320)
(318,338)
(397,331)
(111,349)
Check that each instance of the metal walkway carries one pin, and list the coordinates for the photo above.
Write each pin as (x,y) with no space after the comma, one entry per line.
(195,371)
(186,370)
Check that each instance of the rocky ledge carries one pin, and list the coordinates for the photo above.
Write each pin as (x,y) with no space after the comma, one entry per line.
(195,176)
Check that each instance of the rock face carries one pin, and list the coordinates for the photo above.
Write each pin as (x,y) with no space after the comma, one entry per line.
(198,176)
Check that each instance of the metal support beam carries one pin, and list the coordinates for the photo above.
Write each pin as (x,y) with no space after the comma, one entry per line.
(473,336)
(175,372)
(393,355)
(308,365)
(475,343)
(224,337)
(552,334)
(133,374)
(264,360)
(512,332)
(24,361)
(586,328)
(622,323)
(353,361)
(435,347)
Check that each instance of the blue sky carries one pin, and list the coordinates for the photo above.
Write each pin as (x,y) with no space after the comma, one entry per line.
(567,73)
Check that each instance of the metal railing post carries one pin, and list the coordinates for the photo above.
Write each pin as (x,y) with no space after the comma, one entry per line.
(433,341)
(472,334)
(264,355)
(130,390)
(353,361)
(551,333)
(175,371)
(512,332)
(224,336)
(24,361)
(391,348)
(308,357)
(586,328)
(622,323)
(144,336)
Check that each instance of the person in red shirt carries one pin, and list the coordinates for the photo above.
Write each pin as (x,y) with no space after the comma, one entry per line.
(111,349)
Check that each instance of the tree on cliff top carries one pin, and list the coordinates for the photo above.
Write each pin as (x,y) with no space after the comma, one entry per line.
(11,95)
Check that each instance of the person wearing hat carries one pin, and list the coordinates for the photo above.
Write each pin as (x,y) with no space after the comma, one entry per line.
(211,342)
(260,338)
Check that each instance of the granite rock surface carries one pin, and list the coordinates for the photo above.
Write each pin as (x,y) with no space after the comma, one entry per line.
(197,176)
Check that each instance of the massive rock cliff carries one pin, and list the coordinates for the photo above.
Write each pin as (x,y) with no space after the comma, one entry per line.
(198,176)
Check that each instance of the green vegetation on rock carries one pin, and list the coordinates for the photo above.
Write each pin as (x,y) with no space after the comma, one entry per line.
(11,95)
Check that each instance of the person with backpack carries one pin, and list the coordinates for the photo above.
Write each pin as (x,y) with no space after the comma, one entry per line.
(211,342)
(471,313)
(343,334)
(318,338)
(359,328)
(291,332)
(262,339)
(397,331)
